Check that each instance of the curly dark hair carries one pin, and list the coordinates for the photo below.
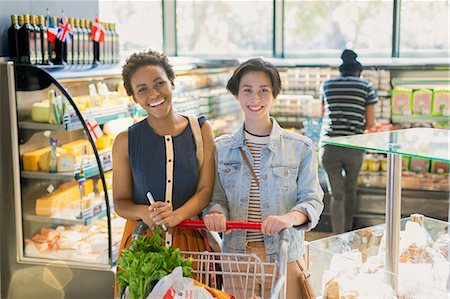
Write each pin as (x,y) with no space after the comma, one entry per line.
(255,65)
(141,59)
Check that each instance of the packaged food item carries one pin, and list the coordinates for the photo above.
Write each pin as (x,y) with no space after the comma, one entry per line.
(419,165)
(374,163)
(53,109)
(405,163)
(401,101)
(441,102)
(52,155)
(422,99)
(31,160)
(78,147)
(439,167)
(48,205)
(40,112)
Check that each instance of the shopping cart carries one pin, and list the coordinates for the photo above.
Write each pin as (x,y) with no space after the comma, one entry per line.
(241,273)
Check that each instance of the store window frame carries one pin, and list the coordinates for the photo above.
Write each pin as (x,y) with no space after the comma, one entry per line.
(170,36)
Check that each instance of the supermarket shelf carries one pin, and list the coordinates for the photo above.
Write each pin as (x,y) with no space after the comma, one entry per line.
(419,118)
(62,176)
(99,213)
(70,126)
(430,194)
(291,92)
(102,119)
(384,93)
(90,170)
(31,125)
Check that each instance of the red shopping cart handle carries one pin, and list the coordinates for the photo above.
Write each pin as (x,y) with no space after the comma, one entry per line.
(230,225)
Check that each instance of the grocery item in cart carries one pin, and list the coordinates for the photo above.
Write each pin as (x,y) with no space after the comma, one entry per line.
(210,267)
(147,261)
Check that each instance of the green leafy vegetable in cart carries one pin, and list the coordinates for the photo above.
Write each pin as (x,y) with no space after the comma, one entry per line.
(146,262)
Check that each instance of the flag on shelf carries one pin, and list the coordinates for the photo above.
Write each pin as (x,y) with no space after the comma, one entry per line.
(64,30)
(97,31)
(94,128)
(52,31)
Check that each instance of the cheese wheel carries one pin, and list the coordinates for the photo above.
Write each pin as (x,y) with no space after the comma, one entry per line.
(39,112)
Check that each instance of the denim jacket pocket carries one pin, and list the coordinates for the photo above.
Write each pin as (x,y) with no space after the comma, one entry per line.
(228,173)
(285,177)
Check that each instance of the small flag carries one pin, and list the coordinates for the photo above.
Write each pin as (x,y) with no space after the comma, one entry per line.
(97,31)
(64,30)
(94,128)
(52,31)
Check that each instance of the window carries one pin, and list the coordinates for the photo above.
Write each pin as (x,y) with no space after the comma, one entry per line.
(424,28)
(225,28)
(325,28)
(139,24)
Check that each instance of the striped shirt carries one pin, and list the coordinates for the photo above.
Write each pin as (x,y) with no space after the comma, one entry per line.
(345,100)
(255,144)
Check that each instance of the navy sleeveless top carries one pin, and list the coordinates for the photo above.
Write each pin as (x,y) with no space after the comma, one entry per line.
(147,155)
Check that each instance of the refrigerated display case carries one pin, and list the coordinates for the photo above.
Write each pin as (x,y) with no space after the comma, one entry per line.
(353,262)
(420,143)
(63,235)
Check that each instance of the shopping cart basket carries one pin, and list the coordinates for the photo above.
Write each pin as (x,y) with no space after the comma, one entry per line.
(241,273)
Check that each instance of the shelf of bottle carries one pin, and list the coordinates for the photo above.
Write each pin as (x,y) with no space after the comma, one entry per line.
(419,118)
(90,170)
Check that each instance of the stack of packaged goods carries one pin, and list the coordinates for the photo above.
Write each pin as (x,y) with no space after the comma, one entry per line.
(417,174)
(420,102)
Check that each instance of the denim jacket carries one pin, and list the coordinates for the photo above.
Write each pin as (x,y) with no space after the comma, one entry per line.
(288,182)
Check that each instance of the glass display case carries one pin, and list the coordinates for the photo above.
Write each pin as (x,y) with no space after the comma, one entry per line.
(63,123)
(353,262)
(419,142)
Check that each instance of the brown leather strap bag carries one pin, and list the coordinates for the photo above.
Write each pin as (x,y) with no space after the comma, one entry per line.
(305,282)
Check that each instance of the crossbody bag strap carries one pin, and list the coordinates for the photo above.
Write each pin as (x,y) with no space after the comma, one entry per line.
(305,271)
(249,166)
(198,138)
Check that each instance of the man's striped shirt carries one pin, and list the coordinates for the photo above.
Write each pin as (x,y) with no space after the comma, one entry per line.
(345,100)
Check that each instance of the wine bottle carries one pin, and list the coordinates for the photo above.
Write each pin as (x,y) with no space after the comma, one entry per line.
(69,45)
(13,39)
(116,44)
(81,33)
(25,35)
(60,49)
(89,45)
(44,40)
(37,39)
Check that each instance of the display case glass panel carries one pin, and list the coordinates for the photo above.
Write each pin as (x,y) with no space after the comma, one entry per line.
(418,142)
(355,259)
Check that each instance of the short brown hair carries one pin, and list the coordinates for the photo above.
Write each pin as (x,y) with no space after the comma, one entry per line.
(255,65)
(141,59)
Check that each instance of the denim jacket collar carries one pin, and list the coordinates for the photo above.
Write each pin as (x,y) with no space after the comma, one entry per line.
(274,139)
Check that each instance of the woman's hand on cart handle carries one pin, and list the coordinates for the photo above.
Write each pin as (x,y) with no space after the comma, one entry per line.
(229,225)
(216,222)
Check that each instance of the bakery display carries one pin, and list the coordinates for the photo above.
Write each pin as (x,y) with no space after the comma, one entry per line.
(351,265)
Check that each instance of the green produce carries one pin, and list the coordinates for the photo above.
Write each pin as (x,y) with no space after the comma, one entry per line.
(146,262)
